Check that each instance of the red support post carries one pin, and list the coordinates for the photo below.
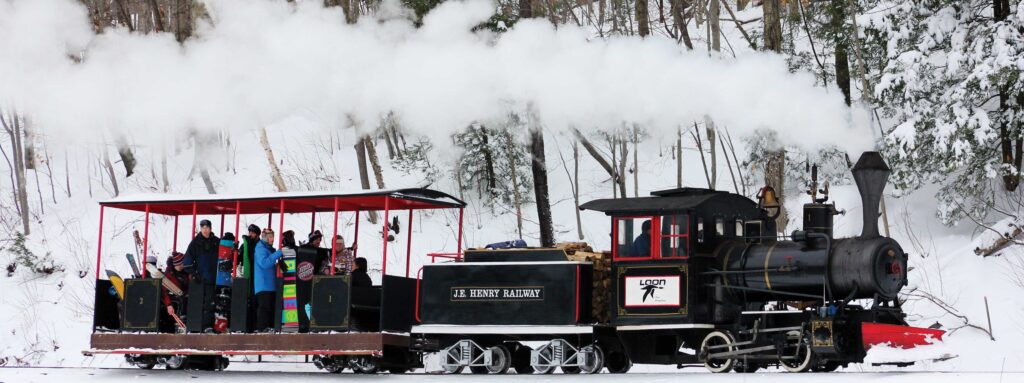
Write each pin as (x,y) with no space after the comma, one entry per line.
(384,263)
(458,250)
(280,233)
(355,241)
(270,221)
(312,225)
(99,244)
(145,242)
(408,245)
(238,236)
(194,210)
(221,225)
(174,246)
(334,242)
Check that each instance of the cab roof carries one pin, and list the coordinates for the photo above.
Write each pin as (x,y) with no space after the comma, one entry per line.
(668,201)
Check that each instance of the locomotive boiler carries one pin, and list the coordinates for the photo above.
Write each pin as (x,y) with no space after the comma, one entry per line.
(696,277)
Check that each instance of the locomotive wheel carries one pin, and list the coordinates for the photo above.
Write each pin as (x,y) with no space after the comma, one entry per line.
(595,359)
(501,360)
(717,338)
(804,358)
(746,367)
(825,367)
(479,370)
(618,363)
(521,359)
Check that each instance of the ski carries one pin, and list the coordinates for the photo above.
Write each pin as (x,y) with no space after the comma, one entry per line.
(167,283)
(135,267)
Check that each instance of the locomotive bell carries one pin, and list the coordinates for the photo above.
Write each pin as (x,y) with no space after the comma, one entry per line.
(870,173)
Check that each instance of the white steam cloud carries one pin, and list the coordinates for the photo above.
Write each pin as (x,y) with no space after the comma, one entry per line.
(263,61)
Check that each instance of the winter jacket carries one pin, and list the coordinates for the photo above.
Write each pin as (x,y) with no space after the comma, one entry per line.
(361,279)
(641,246)
(202,256)
(245,252)
(265,270)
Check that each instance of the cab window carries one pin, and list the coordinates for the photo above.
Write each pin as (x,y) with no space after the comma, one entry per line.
(675,236)
(633,237)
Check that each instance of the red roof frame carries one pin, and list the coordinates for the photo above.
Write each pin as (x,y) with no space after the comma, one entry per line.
(318,202)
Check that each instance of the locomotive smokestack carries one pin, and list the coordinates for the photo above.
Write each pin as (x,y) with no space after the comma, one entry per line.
(870,173)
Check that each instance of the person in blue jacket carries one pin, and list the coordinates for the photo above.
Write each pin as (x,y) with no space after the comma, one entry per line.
(642,243)
(265,276)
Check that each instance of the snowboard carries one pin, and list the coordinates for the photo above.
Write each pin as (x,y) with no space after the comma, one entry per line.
(222,292)
(135,266)
(140,257)
(117,282)
(289,298)
(168,284)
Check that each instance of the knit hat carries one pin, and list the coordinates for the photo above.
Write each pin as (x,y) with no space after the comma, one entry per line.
(228,236)
(254,229)
(178,259)
(315,235)
(151,259)
(206,223)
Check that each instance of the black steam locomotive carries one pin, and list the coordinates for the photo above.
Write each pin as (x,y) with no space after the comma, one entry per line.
(697,277)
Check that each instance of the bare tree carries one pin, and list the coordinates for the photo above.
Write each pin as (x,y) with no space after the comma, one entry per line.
(709,125)
(110,171)
(275,172)
(371,152)
(643,18)
(516,198)
(17,165)
(679,157)
(772,26)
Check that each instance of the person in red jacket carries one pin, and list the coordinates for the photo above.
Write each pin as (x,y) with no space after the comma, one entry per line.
(176,274)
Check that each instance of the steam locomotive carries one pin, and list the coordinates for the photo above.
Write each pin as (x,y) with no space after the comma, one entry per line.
(697,277)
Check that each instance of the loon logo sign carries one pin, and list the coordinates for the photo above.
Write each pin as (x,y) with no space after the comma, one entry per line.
(497,294)
(652,291)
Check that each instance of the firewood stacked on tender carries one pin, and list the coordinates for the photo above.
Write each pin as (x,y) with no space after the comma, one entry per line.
(602,280)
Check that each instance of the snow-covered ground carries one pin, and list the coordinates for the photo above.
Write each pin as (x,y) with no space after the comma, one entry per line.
(50,375)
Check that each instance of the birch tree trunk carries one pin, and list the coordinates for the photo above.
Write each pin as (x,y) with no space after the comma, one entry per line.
(13,129)
(709,125)
(275,172)
(516,197)
(110,172)
(576,186)
(371,152)
(679,157)
(713,26)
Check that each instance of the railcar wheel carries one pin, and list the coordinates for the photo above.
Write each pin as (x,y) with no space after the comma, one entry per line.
(452,369)
(802,351)
(595,359)
(546,355)
(521,359)
(501,360)
(717,338)
(570,370)
(364,365)
(618,363)
(173,362)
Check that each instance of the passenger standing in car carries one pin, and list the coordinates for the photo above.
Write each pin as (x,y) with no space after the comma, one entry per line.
(201,260)
(265,276)
(359,276)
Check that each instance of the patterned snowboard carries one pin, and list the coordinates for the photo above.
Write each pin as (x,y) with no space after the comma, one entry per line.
(289,312)
(222,293)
